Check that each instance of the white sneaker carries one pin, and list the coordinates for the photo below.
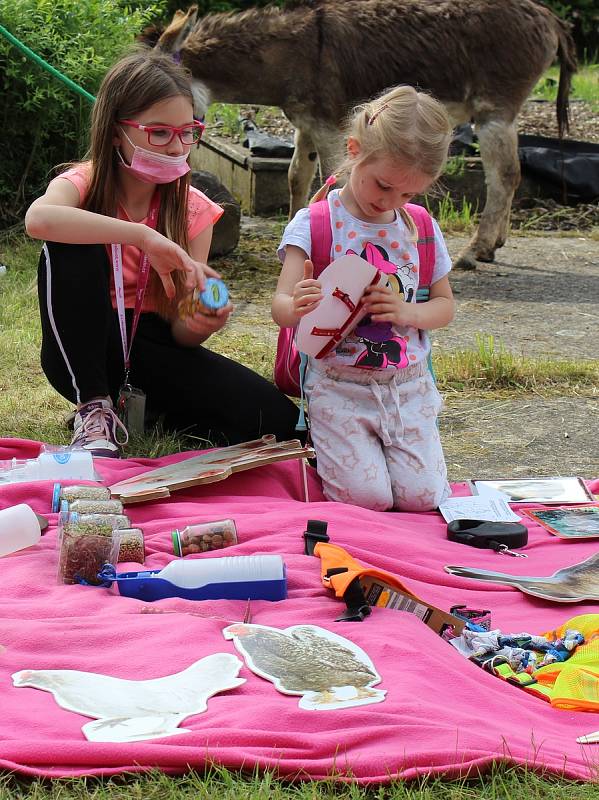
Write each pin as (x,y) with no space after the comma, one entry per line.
(96,429)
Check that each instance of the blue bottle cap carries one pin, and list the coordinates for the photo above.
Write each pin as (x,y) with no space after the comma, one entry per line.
(215,294)
(56,498)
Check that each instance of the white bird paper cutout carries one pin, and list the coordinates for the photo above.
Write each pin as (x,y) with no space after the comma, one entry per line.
(328,670)
(131,711)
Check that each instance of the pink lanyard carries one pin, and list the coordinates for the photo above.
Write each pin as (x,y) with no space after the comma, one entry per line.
(142,283)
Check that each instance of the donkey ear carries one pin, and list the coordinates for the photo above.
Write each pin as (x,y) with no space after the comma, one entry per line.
(182,23)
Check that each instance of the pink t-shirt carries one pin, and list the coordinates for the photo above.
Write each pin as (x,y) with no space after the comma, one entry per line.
(201,212)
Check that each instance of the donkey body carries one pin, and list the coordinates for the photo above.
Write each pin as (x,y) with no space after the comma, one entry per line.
(316,59)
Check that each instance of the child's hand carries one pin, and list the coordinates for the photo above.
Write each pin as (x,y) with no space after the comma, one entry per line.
(166,257)
(206,324)
(385,305)
(307,293)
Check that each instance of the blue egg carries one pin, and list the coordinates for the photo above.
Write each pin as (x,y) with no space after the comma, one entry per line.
(215,294)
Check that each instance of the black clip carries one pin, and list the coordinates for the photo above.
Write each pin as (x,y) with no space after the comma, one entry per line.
(357,606)
(316,531)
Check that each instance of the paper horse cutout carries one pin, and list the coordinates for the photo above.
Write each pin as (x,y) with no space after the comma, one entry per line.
(329,671)
(216,465)
(340,310)
(567,585)
(131,711)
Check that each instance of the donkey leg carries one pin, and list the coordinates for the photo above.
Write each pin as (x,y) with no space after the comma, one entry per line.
(498,140)
(301,170)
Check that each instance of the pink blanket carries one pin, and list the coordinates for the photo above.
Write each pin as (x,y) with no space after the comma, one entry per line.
(441,715)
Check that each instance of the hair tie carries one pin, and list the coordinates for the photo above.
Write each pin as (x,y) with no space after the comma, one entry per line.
(331,180)
(376,113)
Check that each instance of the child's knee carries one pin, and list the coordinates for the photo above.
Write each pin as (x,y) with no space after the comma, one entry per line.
(418,498)
(374,498)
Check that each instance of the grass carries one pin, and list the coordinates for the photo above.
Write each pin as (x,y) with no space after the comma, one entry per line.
(585,85)
(219,784)
(452,217)
(490,368)
(29,408)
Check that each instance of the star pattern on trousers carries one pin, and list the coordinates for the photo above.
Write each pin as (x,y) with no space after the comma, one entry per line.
(428,411)
(426,498)
(327,414)
(351,460)
(371,472)
(349,426)
(399,491)
(324,445)
(412,435)
(329,472)
(344,496)
(414,463)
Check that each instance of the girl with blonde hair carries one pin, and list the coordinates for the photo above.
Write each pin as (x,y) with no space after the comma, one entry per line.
(372,402)
(127,237)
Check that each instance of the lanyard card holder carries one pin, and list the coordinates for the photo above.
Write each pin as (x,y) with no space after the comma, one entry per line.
(132,408)
(502,537)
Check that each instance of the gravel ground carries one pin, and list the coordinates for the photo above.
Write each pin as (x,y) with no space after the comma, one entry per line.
(540,299)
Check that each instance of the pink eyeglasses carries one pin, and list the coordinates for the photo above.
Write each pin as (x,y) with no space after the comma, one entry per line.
(164,134)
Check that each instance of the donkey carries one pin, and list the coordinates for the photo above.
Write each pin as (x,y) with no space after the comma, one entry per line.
(316,59)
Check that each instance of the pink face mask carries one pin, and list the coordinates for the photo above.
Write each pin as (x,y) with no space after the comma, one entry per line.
(151,167)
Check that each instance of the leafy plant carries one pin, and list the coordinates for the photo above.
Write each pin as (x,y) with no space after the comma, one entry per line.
(456,165)
(226,116)
(42,121)
(450,216)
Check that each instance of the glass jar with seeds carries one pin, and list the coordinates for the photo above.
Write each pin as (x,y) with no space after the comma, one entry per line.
(71,493)
(84,549)
(132,545)
(204,537)
(116,521)
(87,506)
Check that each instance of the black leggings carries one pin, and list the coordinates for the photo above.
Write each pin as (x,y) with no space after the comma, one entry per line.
(193,389)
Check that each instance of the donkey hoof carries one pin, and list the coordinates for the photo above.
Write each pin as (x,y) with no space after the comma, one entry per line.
(465,262)
(486,256)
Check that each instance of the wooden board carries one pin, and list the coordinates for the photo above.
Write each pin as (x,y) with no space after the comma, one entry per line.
(215,465)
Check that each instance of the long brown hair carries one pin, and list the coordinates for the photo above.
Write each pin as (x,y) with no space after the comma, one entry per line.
(133,84)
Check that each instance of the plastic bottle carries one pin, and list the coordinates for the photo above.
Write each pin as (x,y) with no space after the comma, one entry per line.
(196,572)
(19,528)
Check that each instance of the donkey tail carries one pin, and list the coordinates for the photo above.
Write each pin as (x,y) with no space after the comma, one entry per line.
(566,52)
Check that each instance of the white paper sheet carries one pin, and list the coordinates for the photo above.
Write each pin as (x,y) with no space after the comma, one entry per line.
(490,509)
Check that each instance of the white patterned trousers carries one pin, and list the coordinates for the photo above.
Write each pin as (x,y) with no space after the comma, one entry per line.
(376,437)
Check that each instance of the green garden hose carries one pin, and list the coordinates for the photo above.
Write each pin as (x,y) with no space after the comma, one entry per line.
(34,56)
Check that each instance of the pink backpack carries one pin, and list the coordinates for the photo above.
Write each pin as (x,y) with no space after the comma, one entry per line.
(288,358)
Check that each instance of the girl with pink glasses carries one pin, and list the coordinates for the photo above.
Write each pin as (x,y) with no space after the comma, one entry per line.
(126,238)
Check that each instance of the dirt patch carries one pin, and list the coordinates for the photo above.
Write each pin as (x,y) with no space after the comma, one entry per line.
(539,299)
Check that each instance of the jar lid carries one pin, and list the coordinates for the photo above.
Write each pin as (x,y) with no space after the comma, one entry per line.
(215,294)
(177,549)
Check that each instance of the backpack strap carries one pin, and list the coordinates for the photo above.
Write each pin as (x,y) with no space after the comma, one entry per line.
(321,235)
(426,246)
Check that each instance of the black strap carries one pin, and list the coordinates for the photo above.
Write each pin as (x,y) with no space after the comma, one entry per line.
(357,605)
(316,531)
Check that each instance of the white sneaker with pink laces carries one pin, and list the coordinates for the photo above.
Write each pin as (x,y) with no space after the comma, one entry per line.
(96,429)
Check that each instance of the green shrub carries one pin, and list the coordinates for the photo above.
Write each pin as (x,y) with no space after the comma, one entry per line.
(42,121)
